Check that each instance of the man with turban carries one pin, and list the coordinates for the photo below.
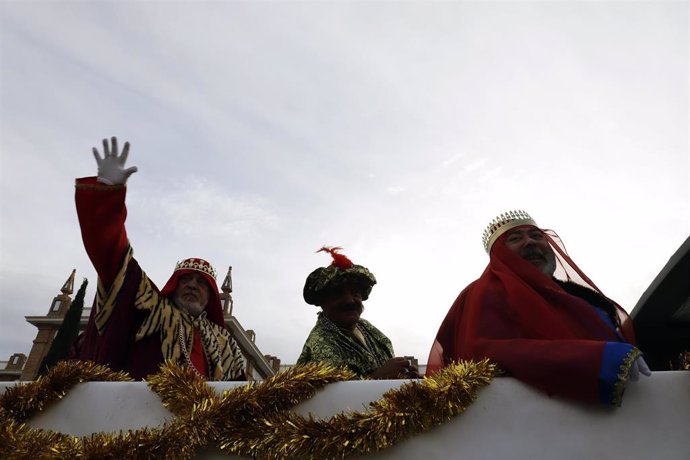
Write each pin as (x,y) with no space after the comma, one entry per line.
(540,318)
(133,326)
(341,338)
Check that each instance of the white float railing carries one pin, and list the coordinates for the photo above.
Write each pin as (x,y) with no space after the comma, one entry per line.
(507,421)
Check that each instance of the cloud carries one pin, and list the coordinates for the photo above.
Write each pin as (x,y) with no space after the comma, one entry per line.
(395,190)
(196,207)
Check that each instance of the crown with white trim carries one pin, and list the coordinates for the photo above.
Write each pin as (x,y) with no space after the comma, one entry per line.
(502,224)
(199,265)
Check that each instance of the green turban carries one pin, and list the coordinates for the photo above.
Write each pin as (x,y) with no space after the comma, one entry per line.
(324,279)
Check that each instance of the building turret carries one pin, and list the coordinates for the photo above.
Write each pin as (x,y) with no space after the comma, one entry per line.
(48,326)
(226,294)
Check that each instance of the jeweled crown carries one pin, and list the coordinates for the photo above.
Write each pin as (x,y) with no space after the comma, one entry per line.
(199,265)
(503,223)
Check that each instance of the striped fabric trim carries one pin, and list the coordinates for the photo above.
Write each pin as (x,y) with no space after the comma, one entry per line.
(105,301)
(221,351)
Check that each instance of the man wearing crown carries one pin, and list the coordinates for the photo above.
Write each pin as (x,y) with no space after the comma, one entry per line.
(133,326)
(540,318)
(340,337)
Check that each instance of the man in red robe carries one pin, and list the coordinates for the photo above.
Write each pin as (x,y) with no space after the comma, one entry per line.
(133,326)
(540,318)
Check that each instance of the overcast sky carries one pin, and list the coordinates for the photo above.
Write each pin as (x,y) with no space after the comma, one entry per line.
(397,130)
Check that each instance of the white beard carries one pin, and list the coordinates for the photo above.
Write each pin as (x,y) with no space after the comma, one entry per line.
(193,308)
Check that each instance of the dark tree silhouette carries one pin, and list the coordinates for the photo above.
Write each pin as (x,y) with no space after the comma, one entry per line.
(66,335)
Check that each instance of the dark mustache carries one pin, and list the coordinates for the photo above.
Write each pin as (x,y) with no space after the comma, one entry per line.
(531,252)
(350,306)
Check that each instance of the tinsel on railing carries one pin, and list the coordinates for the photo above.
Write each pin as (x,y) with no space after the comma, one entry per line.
(252,419)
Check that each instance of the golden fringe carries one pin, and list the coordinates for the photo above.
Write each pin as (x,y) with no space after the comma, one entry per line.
(251,419)
(623,372)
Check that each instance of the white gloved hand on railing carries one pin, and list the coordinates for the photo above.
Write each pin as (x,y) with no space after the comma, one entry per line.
(111,168)
(639,366)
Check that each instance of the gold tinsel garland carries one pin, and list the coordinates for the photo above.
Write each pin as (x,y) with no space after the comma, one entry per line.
(251,419)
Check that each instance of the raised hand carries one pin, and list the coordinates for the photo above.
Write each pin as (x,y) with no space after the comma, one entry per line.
(111,168)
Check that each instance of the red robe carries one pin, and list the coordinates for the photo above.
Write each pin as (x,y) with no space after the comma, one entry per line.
(536,331)
(117,340)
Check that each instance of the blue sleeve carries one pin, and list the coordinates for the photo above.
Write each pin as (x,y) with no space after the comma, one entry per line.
(613,373)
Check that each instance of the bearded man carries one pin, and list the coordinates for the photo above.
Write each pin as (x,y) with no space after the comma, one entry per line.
(133,326)
(540,318)
(340,337)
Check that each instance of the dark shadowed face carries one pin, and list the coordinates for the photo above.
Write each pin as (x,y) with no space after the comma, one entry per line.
(530,243)
(192,293)
(343,305)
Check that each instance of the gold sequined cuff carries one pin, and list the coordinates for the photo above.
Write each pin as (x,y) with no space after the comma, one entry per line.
(623,372)
(98,186)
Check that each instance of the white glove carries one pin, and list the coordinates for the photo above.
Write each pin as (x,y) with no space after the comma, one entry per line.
(639,366)
(111,168)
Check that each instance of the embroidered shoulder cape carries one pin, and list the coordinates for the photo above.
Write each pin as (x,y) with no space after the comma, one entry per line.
(329,344)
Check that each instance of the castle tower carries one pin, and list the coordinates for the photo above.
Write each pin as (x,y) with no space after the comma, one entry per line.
(258,366)
(12,370)
(48,326)
(226,293)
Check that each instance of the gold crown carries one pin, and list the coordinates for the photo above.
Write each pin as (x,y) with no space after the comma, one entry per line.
(199,265)
(503,223)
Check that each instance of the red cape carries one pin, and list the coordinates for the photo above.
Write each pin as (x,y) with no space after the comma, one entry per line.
(524,321)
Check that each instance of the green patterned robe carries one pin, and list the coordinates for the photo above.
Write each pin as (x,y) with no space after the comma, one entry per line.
(331,345)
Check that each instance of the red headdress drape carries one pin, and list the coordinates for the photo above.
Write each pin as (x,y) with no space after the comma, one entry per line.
(524,321)
(214,308)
